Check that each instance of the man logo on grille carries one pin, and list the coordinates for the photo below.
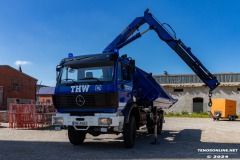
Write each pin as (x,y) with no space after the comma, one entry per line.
(80,100)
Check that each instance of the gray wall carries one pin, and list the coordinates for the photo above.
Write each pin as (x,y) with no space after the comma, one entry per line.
(185,98)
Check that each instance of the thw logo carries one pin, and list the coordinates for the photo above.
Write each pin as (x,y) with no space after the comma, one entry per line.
(80,88)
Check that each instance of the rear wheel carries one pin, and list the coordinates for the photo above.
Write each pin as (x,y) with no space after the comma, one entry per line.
(76,137)
(232,118)
(129,134)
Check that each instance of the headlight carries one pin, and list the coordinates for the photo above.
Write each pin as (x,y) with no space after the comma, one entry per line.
(104,121)
(57,120)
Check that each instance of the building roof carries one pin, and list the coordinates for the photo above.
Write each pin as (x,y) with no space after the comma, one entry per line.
(18,73)
(40,86)
(194,79)
(222,84)
(46,90)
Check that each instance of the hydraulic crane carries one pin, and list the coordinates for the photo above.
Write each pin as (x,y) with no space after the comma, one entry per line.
(176,44)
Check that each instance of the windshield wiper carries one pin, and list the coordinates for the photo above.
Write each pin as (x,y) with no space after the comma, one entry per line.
(100,82)
(67,79)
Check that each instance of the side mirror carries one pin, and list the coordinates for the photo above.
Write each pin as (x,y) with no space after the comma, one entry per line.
(132,66)
(57,72)
(58,69)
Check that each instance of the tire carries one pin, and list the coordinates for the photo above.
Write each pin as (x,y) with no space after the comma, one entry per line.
(234,118)
(151,125)
(129,134)
(76,137)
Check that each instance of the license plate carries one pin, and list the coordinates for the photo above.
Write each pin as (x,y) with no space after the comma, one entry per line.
(81,123)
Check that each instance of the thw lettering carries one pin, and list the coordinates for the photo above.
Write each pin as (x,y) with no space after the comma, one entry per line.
(80,88)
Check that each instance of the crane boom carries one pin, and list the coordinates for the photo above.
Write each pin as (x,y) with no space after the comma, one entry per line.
(176,44)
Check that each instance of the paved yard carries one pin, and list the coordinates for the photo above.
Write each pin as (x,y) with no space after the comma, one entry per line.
(181,138)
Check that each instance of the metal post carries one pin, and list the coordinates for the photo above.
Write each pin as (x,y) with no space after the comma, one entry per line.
(155,142)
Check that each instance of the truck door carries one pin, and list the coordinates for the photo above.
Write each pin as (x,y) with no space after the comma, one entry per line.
(124,84)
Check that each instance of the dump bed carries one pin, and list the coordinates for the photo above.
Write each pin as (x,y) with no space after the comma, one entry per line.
(148,90)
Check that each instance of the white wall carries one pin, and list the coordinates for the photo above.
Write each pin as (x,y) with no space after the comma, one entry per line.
(185,98)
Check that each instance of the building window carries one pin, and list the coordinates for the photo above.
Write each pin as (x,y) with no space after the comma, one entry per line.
(16,86)
(238,89)
(178,90)
(48,102)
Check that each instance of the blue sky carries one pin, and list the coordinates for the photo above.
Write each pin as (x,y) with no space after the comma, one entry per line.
(39,33)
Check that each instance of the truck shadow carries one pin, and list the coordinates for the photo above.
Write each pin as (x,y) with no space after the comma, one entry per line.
(172,144)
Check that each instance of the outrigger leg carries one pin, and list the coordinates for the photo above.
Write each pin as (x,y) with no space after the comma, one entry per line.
(155,142)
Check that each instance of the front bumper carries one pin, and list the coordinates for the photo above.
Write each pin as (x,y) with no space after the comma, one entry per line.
(84,122)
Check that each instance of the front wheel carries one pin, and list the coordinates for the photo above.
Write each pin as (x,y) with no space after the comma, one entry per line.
(129,134)
(76,137)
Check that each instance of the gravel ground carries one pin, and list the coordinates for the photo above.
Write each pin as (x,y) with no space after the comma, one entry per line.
(181,138)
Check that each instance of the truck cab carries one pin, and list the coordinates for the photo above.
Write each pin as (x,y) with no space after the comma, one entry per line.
(92,93)
(98,83)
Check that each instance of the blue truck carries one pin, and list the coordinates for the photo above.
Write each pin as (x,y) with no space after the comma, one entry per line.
(106,93)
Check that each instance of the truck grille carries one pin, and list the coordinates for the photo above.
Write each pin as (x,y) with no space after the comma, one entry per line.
(98,100)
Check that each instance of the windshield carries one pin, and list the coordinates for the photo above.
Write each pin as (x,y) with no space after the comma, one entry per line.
(90,73)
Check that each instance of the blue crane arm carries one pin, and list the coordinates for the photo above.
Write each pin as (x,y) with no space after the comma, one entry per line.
(176,44)
(123,37)
(183,51)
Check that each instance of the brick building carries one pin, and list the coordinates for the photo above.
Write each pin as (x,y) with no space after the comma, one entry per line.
(192,93)
(16,87)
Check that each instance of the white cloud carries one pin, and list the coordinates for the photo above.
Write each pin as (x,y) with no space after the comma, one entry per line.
(22,62)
